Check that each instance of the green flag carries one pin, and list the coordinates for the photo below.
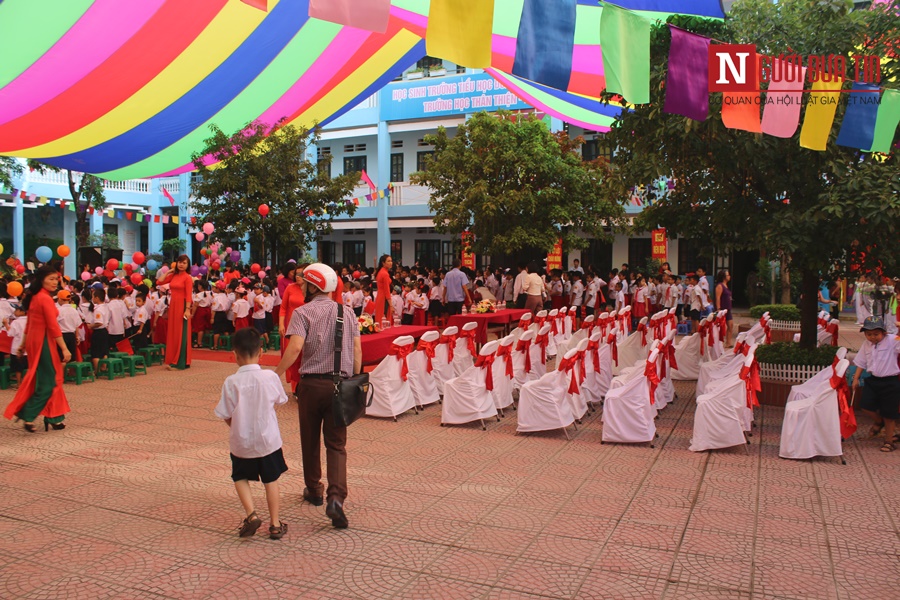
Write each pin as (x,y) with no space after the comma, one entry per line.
(625,43)
(886,121)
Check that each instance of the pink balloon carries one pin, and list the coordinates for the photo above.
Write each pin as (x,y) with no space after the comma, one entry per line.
(199,236)
(135,267)
(99,270)
(228,250)
(208,228)
(85,275)
(206,261)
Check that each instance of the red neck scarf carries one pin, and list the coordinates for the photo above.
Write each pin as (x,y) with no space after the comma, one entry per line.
(614,348)
(484,361)
(750,375)
(642,329)
(567,365)
(542,341)
(401,352)
(428,348)
(506,353)
(593,348)
(469,335)
(524,346)
(652,379)
(450,340)
(847,416)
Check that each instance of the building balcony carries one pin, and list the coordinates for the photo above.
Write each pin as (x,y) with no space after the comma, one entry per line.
(136,186)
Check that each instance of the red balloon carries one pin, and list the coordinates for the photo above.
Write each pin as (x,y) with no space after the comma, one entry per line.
(216,265)
(136,278)
(127,267)
(20,269)
(255,268)
(203,251)
(263,209)
(355,274)
(112,264)
(109,274)
(138,258)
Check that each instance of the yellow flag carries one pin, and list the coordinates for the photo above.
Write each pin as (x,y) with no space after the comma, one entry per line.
(460,31)
(820,107)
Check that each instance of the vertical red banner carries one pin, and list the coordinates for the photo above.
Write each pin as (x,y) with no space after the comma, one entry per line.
(554,257)
(468,257)
(660,245)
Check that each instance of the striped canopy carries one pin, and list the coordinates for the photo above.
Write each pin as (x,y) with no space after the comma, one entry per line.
(128,89)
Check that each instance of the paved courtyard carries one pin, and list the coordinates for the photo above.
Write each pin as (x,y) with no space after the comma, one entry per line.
(134,500)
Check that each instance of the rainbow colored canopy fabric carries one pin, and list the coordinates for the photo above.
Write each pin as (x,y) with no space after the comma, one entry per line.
(128,89)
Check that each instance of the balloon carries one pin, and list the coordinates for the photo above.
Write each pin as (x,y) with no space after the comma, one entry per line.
(135,267)
(109,274)
(63,250)
(195,271)
(129,289)
(227,250)
(1,248)
(43,254)
(216,265)
(85,275)
(199,236)
(99,270)
(20,269)
(203,252)
(128,268)
(112,264)
(245,280)
(235,256)
(263,210)
(14,289)
(138,258)
(136,278)
(355,274)
(204,269)
(255,268)
(152,265)
(147,282)
(164,269)
(208,228)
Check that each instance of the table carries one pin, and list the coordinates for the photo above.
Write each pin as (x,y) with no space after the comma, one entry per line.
(502,317)
(375,346)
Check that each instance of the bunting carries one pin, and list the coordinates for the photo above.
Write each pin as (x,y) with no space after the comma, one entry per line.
(461,32)
(371,15)
(819,114)
(858,127)
(546,41)
(781,114)
(625,39)
(687,82)
(887,121)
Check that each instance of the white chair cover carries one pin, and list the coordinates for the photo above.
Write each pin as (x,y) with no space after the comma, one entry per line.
(571,364)
(716,422)
(811,385)
(443,370)
(523,326)
(392,395)
(634,348)
(592,387)
(569,324)
(524,370)
(717,348)
(424,384)
(462,353)
(757,333)
(543,405)
(726,365)
(628,415)
(811,425)
(564,326)
(539,357)
(466,398)
(688,357)
(724,389)
(503,371)
(553,321)
(539,320)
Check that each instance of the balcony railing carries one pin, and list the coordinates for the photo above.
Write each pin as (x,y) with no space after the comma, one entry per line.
(408,194)
(173,185)
(138,186)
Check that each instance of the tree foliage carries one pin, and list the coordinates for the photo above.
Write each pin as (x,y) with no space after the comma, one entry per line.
(515,185)
(86,191)
(263,165)
(9,169)
(740,190)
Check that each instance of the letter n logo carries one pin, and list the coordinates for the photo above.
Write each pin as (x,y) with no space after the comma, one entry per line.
(732,68)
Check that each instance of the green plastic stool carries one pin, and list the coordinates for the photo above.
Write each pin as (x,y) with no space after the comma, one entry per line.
(119,355)
(224,342)
(134,364)
(274,341)
(114,368)
(4,378)
(152,356)
(78,372)
(207,340)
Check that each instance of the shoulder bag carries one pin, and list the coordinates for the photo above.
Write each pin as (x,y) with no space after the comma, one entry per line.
(353,394)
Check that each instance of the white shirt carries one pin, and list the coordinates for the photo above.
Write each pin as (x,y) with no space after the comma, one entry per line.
(577,293)
(248,399)
(879,359)
(6,309)
(220,302)
(411,303)
(117,313)
(141,315)
(17,333)
(591,293)
(240,308)
(396,305)
(101,316)
(69,320)
(259,308)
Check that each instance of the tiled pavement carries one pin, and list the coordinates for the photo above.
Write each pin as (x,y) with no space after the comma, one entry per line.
(134,500)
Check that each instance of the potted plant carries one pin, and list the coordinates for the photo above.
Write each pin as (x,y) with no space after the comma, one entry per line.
(786,364)
(415,74)
(785,320)
(438,71)
(172,247)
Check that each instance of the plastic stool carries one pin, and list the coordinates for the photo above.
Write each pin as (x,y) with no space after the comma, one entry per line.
(114,367)
(152,356)
(207,340)
(134,364)
(224,340)
(118,355)
(4,377)
(78,372)
(275,341)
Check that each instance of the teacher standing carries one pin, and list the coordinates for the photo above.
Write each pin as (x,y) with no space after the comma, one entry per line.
(383,283)
(41,391)
(178,334)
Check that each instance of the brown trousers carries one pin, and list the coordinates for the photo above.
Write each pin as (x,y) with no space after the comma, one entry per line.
(315,396)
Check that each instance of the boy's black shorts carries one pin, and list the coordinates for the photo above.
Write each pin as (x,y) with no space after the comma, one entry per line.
(220,323)
(694,315)
(260,326)
(882,395)
(266,468)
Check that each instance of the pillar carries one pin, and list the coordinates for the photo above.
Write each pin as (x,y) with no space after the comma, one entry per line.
(183,198)
(383,243)
(154,229)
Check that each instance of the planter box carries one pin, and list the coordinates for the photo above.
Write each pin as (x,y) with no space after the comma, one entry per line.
(783,331)
(777,380)
(437,72)
(415,75)
(774,393)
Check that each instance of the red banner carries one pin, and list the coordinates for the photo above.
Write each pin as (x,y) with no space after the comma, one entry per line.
(554,258)
(468,258)
(660,245)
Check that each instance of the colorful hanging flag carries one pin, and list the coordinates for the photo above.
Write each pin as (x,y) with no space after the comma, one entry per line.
(781,114)
(461,32)
(165,219)
(139,217)
(356,201)
(371,15)
(72,206)
(168,195)
(819,117)
(156,218)
(687,82)
(51,200)
(368,180)
(858,127)
(381,193)
(545,42)
(740,110)
(625,39)
(262,5)
(175,220)
(110,213)
(886,122)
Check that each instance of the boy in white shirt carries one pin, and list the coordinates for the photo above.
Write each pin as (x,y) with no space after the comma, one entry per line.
(396,304)
(99,325)
(69,321)
(141,337)
(221,305)
(259,317)
(16,330)
(620,296)
(411,302)
(117,313)
(248,407)
(577,296)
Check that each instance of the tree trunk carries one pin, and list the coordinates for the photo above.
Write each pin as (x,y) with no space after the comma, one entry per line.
(809,308)
(785,280)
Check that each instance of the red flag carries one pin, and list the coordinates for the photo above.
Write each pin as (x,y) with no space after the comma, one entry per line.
(168,195)
(368,180)
(262,5)
(156,218)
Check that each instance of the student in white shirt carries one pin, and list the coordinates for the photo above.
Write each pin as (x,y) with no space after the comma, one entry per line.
(99,325)
(248,405)
(116,327)
(410,303)
(880,356)
(16,330)
(142,323)
(259,317)
(577,296)
(69,320)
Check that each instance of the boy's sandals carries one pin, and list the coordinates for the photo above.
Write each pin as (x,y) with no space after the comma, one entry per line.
(875,431)
(888,447)
(249,525)
(276,533)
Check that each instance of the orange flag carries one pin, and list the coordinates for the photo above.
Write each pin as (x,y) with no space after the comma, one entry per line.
(371,15)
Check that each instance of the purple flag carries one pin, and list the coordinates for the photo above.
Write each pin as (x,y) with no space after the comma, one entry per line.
(687,83)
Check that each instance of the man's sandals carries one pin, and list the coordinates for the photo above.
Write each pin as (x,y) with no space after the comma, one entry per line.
(249,525)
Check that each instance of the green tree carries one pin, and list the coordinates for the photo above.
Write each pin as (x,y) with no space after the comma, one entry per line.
(740,190)
(515,185)
(256,168)
(9,168)
(86,191)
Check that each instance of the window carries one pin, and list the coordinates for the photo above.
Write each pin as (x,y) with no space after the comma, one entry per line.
(397,167)
(420,159)
(397,144)
(691,256)
(428,253)
(598,255)
(354,164)
(639,252)
(422,143)
(430,62)
(326,252)
(324,161)
(397,251)
(349,148)
(596,148)
(111,229)
(354,252)
(450,250)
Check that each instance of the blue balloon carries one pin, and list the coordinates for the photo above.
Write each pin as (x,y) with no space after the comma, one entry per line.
(152,265)
(43,254)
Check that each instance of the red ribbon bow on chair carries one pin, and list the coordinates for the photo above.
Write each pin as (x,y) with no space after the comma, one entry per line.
(652,379)
(582,371)
(524,323)
(553,329)
(484,361)
(847,416)
(739,347)
(450,340)
(670,349)
(572,317)
(539,321)
(594,348)
(832,328)
(768,330)
(711,333)
(470,334)
(642,329)
(750,375)
(567,365)
(506,353)
(702,331)
(723,326)
(589,325)
(624,323)
(524,346)
(428,349)
(401,352)
(823,323)
(542,340)
(673,321)
(614,348)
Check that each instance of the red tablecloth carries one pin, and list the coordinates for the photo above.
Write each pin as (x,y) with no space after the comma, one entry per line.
(375,346)
(507,315)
